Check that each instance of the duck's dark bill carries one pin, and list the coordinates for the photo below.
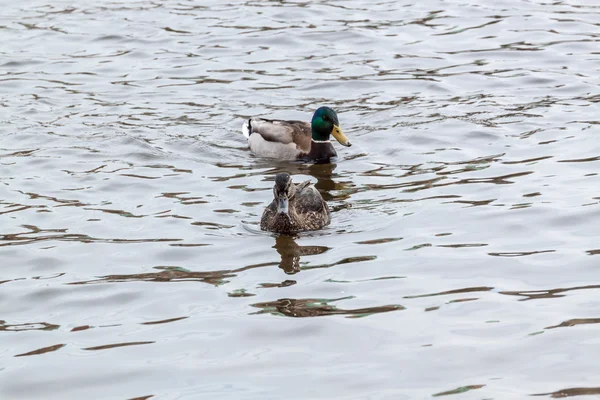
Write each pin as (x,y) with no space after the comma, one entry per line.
(340,137)
(282,206)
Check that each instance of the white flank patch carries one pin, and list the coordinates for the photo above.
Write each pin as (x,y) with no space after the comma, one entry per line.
(264,148)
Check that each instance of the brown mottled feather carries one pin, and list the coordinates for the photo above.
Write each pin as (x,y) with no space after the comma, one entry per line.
(307,212)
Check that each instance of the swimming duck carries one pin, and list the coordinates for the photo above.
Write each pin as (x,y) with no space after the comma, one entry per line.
(296,140)
(294,208)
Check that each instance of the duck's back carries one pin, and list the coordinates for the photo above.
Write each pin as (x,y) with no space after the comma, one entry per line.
(311,207)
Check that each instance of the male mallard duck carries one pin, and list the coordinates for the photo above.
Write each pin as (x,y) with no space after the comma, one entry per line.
(295,208)
(296,140)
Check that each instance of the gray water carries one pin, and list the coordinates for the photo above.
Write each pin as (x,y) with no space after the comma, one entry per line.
(462,257)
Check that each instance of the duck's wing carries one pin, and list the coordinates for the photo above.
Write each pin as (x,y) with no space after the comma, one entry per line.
(279,131)
(309,199)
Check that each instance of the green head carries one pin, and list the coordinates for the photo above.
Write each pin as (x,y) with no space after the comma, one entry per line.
(324,123)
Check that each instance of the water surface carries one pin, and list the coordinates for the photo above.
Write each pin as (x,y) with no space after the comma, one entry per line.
(462,255)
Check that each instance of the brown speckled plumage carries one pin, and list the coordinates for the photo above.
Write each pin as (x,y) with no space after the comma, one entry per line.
(307,211)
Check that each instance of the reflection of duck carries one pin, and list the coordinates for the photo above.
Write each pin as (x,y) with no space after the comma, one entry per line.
(327,182)
(323,173)
(295,208)
(291,252)
(293,140)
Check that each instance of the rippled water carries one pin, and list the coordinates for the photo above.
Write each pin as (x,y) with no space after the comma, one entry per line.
(462,255)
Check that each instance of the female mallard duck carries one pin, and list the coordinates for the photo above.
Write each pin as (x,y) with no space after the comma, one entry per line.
(295,208)
(296,140)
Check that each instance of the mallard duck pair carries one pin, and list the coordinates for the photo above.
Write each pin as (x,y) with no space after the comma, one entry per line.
(295,207)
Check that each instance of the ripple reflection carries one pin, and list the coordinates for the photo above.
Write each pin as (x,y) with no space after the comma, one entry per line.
(300,308)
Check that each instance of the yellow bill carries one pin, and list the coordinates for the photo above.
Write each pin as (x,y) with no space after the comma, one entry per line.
(340,137)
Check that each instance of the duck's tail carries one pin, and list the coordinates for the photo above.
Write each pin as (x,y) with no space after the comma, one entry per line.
(247,129)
